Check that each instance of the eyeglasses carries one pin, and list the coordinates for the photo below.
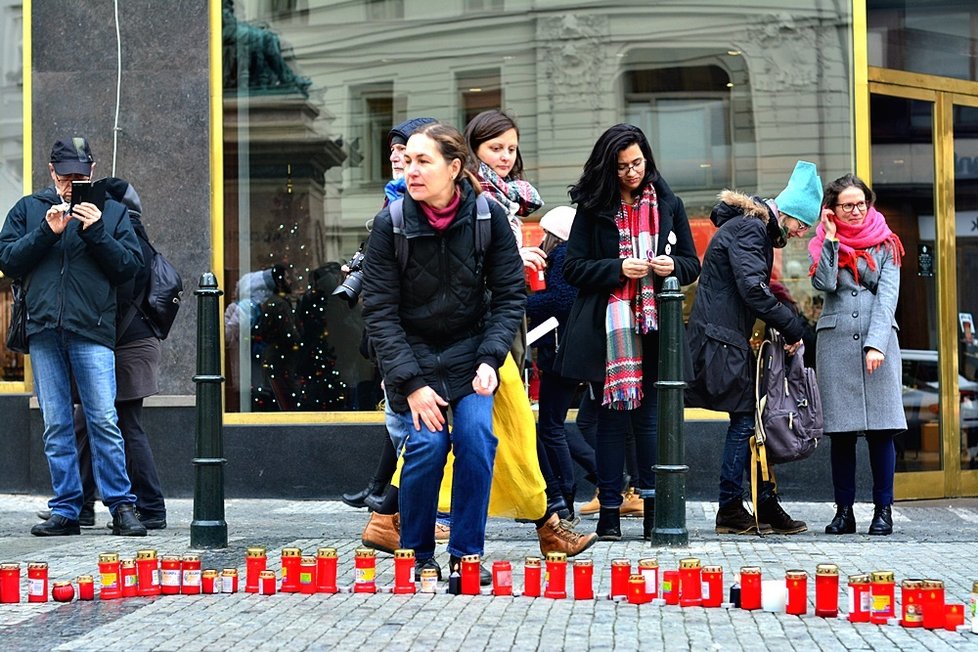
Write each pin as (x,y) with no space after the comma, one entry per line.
(625,168)
(848,208)
(71,177)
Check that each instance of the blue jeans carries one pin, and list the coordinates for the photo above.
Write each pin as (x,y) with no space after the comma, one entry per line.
(396,429)
(736,461)
(425,453)
(882,462)
(57,356)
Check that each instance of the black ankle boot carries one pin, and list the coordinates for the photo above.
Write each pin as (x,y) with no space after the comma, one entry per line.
(125,522)
(882,521)
(648,519)
(609,524)
(844,521)
(356,499)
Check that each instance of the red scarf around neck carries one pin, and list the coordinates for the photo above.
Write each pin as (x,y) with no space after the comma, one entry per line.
(858,241)
(442,218)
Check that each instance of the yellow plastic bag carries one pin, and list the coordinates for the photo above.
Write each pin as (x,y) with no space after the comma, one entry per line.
(518,489)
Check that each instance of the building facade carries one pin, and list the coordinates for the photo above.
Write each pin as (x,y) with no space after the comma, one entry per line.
(256,134)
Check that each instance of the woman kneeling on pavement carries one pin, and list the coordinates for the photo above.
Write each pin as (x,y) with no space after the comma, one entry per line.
(442,326)
(734,291)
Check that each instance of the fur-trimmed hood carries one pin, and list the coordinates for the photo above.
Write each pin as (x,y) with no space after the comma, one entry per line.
(735,204)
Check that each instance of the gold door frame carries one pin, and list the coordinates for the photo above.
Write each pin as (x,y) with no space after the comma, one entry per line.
(943,93)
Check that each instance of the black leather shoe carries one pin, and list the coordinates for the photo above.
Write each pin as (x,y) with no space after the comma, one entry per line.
(56,526)
(844,521)
(151,521)
(126,524)
(356,499)
(373,502)
(882,523)
(85,519)
(609,524)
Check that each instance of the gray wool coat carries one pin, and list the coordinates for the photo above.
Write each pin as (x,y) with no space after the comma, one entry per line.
(857,317)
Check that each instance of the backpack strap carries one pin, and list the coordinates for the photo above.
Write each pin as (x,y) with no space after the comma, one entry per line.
(483,230)
(758,452)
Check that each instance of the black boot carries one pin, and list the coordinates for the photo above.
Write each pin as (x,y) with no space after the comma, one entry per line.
(571,515)
(771,512)
(844,521)
(356,500)
(648,519)
(609,524)
(56,526)
(125,522)
(882,521)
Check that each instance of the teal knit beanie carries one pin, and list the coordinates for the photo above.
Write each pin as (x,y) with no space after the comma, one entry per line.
(802,197)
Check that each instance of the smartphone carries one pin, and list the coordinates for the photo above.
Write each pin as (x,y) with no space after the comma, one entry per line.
(92,192)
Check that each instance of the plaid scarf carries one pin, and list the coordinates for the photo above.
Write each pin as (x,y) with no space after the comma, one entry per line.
(631,309)
(515,193)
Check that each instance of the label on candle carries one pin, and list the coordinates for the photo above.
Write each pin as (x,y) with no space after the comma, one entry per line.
(171,577)
(706,590)
(505,578)
(364,575)
(191,578)
(881,604)
(109,579)
(651,580)
(130,580)
(305,577)
(35,587)
(227,584)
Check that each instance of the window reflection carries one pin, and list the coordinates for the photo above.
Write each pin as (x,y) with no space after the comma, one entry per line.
(310,94)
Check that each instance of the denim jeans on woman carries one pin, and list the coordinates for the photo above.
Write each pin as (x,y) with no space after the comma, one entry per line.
(736,461)
(611,434)
(57,356)
(425,453)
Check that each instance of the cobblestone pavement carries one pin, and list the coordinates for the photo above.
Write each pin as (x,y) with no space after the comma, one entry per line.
(934,539)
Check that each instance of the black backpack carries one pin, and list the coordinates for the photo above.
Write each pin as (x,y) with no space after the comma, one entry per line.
(160,299)
(483,230)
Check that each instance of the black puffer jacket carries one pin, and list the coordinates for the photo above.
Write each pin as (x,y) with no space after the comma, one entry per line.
(70,278)
(449,310)
(733,293)
(593,265)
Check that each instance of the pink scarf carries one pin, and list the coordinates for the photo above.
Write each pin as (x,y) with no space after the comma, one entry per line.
(858,241)
(442,218)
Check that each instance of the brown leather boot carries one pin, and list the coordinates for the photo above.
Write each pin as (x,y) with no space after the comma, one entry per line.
(558,536)
(383,532)
(632,504)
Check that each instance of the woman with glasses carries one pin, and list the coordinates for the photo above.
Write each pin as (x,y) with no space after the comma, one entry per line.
(629,233)
(856,263)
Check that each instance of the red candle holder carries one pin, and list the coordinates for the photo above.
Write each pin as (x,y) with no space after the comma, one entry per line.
(127,569)
(933,602)
(307,574)
(953,616)
(621,570)
(911,598)
(649,569)
(690,582)
(365,571)
(469,575)
(827,590)
(859,598)
(796,585)
(9,583)
(109,571)
(531,577)
(255,562)
(404,571)
(86,587)
(190,574)
(750,588)
(37,581)
(636,590)
(670,586)
(209,584)
(502,577)
(882,589)
(326,559)
(171,573)
(712,586)
(266,582)
(147,573)
(63,591)
(291,558)
(229,580)
(556,586)
(583,579)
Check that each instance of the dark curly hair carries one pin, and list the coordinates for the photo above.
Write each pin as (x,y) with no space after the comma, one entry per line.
(598,187)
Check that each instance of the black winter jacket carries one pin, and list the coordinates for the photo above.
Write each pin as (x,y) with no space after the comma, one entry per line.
(70,278)
(449,310)
(733,293)
(593,265)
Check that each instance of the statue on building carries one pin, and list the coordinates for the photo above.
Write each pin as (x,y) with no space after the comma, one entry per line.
(253,58)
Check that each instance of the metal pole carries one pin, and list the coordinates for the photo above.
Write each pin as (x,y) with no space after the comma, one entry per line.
(670,472)
(209,529)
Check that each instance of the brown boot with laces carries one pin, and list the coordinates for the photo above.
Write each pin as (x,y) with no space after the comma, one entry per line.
(558,536)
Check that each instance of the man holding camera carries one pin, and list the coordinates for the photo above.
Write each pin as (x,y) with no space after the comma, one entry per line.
(71,258)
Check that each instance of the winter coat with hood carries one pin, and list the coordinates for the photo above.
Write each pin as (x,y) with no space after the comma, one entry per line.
(449,310)
(593,265)
(733,293)
(71,278)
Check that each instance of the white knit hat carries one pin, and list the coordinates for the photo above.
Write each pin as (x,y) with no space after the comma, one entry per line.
(558,221)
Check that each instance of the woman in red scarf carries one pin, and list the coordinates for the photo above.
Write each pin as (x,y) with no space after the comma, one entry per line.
(629,233)
(855,262)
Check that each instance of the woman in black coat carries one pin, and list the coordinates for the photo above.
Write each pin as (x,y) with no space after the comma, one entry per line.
(733,292)
(630,232)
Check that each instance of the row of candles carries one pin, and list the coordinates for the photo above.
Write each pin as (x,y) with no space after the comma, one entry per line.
(871,597)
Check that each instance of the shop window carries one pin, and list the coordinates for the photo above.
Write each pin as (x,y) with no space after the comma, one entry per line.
(373,112)
(935,38)
(478,91)
(472,6)
(11,162)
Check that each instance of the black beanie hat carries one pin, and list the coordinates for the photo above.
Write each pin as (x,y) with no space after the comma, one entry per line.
(400,134)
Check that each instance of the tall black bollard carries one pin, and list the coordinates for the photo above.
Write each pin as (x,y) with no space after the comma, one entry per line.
(670,472)
(209,529)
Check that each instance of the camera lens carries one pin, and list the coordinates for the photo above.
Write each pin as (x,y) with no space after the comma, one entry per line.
(351,287)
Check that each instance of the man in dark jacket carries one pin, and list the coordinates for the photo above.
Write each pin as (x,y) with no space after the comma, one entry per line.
(71,259)
(734,291)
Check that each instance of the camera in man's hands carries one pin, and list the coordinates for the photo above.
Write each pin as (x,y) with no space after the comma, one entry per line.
(352,285)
